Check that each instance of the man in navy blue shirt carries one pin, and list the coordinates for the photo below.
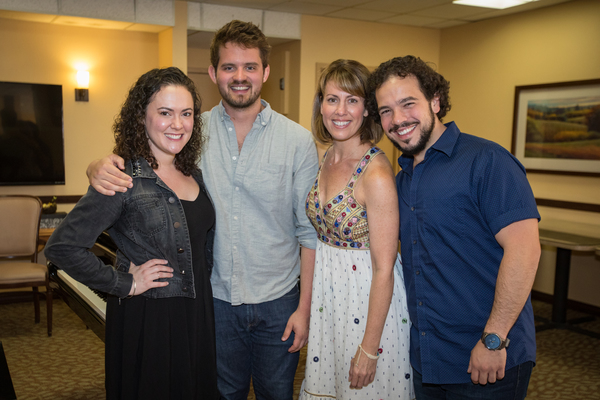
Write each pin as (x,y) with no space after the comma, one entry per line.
(469,242)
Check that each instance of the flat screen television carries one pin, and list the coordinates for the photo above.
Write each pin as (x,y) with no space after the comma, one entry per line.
(31,134)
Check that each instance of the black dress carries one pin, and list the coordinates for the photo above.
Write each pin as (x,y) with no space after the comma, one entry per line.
(165,348)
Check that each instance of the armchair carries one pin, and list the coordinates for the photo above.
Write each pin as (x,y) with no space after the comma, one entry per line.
(19,230)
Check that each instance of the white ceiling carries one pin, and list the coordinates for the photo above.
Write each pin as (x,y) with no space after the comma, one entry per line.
(424,13)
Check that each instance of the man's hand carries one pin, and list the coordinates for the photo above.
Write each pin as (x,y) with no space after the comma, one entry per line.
(105,176)
(298,322)
(486,366)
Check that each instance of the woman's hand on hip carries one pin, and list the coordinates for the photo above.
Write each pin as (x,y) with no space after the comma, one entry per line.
(145,276)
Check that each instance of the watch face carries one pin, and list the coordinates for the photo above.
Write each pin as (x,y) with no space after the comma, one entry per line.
(492,341)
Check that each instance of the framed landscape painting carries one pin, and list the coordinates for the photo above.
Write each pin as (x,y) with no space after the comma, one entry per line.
(556,127)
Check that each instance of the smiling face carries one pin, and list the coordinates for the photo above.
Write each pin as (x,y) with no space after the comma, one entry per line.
(169,121)
(343,113)
(407,117)
(239,75)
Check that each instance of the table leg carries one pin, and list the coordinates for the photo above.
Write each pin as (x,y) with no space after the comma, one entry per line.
(561,285)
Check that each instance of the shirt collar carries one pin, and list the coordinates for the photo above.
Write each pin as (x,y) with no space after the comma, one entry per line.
(445,144)
(263,117)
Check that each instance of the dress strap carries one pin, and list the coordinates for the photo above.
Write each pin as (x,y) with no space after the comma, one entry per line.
(363,164)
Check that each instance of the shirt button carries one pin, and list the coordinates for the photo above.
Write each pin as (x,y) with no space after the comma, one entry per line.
(184,289)
(180,250)
(235,247)
(237,189)
(171,200)
(234,158)
(183,272)
(412,209)
(414,242)
(420,303)
(235,217)
(418,272)
(176,225)
(230,129)
(422,333)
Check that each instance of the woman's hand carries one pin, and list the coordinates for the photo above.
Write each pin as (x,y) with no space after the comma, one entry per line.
(362,370)
(145,275)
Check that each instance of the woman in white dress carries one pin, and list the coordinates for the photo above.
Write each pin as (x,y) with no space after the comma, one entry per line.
(358,345)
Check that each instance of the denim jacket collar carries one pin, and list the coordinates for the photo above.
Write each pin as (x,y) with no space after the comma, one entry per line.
(140,169)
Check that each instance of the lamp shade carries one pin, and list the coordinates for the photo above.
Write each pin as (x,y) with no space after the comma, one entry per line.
(83,79)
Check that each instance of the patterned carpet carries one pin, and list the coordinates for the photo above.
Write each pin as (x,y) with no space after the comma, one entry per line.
(70,364)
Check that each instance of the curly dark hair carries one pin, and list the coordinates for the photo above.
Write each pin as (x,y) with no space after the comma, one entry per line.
(431,82)
(131,138)
(244,34)
(350,76)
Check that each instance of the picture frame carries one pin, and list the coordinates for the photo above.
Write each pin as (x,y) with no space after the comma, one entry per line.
(556,127)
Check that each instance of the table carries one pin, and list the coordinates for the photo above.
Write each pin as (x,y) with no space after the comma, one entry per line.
(565,243)
(44,235)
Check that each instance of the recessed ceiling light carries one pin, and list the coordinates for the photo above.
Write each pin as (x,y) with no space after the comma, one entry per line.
(498,4)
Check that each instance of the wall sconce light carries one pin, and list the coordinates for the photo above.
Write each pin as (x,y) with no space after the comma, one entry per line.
(83,84)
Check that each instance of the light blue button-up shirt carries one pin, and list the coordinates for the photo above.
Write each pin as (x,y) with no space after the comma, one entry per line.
(259,195)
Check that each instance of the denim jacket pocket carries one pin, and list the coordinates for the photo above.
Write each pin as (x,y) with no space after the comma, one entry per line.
(146,215)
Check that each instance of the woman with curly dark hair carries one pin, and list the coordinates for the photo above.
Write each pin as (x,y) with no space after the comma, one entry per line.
(160,337)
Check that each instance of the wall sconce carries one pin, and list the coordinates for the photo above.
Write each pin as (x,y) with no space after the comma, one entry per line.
(83,84)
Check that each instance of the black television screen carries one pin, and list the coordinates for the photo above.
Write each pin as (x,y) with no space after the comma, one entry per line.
(31,134)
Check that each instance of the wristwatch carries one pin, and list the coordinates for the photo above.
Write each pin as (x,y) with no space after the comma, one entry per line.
(494,342)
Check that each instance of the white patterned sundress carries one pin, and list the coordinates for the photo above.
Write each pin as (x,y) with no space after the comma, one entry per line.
(340,302)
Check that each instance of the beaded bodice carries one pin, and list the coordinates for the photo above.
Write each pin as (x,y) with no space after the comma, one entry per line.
(341,221)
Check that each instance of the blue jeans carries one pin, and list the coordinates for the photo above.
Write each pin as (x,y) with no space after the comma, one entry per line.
(249,345)
(512,387)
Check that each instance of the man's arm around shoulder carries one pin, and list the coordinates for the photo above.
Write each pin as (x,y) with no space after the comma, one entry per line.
(106,175)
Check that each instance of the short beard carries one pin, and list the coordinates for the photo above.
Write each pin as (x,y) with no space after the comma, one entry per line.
(239,104)
(422,143)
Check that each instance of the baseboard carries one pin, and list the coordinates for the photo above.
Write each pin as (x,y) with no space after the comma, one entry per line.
(571,304)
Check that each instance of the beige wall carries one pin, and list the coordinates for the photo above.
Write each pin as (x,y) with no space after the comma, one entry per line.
(173,41)
(292,85)
(484,62)
(47,53)
(198,62)
(327,39)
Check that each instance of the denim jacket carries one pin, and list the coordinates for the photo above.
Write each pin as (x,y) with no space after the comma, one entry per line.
(145,222)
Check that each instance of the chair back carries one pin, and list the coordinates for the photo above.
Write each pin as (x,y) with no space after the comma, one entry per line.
(19,226)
